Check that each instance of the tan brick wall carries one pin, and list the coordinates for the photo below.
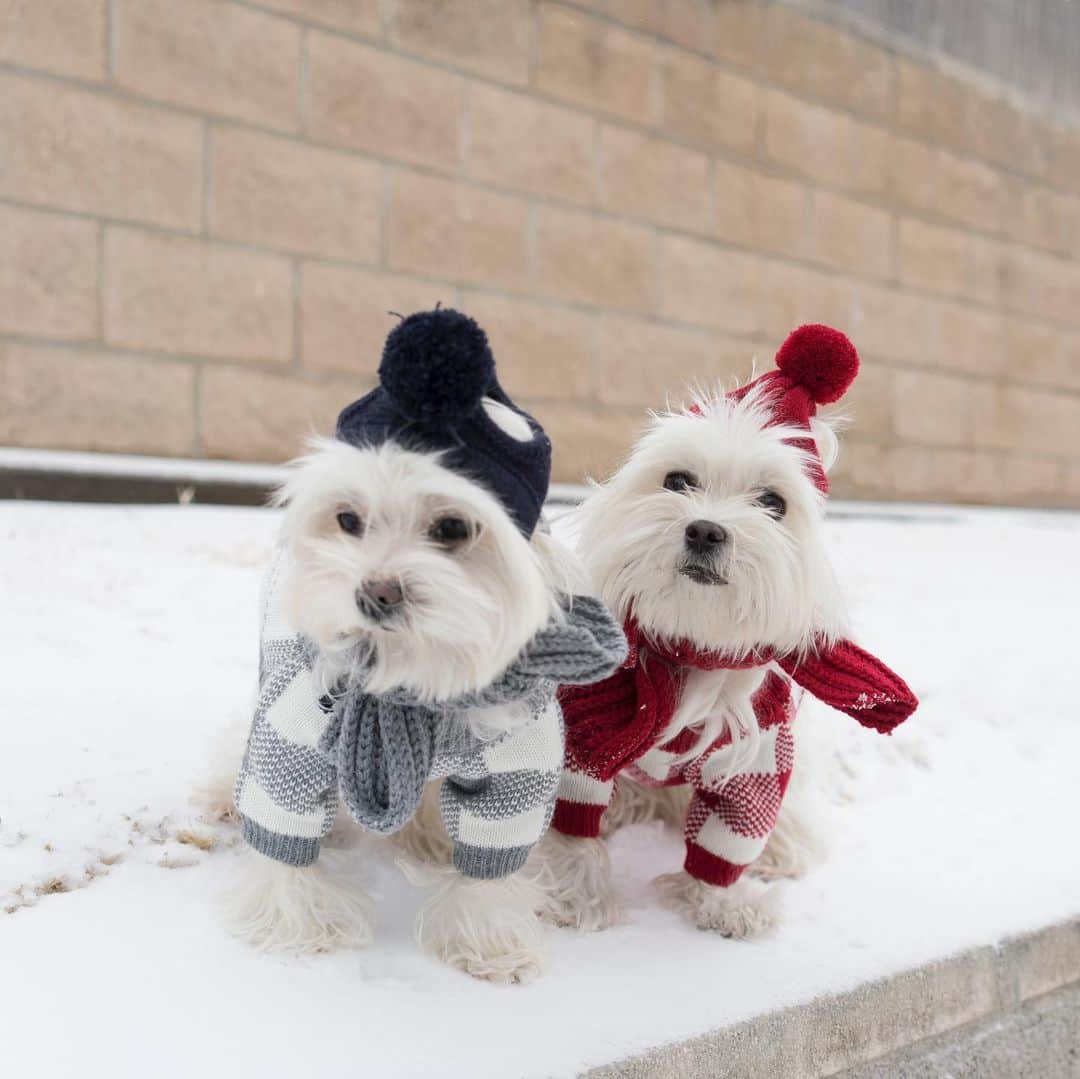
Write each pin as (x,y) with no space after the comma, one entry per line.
(208,208)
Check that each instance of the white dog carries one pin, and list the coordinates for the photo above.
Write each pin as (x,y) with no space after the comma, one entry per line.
(708,542)
(415,626)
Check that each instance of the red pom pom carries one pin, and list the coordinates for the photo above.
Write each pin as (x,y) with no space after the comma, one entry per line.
(821,360)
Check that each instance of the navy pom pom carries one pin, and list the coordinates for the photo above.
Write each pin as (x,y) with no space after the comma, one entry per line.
(437,366)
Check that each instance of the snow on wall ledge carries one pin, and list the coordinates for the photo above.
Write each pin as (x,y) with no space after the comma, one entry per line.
(129,640)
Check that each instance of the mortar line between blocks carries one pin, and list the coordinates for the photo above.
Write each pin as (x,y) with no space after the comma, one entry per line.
(753,163)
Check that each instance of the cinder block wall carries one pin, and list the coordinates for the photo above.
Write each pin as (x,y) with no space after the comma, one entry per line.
(207,207)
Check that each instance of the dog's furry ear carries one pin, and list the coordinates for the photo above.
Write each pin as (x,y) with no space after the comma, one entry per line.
(311,482)
(301,473)
(825,436)
(559,564)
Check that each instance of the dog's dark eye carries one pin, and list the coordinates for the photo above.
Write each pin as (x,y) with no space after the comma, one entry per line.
(449,531)
(773,501)
(680,481)
(350,523)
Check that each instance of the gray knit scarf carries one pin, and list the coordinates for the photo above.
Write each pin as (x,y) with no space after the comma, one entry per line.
(384,746)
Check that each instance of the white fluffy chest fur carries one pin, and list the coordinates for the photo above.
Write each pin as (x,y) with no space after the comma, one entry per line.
(709,693)
(718,701)
(499,719)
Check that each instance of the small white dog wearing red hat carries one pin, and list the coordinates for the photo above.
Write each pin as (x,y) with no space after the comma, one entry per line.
(708,544)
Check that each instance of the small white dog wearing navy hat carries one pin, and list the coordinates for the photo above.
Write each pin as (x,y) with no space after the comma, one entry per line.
(415,626)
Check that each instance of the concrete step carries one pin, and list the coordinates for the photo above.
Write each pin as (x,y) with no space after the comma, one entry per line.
(993,1001)
(1041,1040)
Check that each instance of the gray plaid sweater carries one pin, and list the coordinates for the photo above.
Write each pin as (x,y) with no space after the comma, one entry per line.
(497,799)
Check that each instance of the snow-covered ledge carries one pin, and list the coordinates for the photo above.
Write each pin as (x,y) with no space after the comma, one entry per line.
(115,477)
(128,640)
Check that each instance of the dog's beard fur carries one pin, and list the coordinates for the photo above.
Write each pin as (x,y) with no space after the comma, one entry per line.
(468,610)
(779,589)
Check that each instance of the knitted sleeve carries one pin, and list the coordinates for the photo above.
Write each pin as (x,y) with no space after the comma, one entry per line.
(286,790)
(499,802)
(582,800)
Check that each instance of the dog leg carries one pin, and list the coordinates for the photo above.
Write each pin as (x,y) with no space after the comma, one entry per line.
(279,907)
(575,878)
(486,928)
(740,910)
(797,842)
(213,797)
(635,803)
(793,848)
(425,837)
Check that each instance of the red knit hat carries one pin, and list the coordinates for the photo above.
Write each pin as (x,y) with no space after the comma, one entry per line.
(814,366)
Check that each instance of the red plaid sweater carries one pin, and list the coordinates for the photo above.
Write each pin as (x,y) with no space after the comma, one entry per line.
(622,725)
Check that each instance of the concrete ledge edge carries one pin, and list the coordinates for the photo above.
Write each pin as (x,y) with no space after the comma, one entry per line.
(73,476)
(833,1033)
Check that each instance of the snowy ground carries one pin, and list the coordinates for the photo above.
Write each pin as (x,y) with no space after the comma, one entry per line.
(128,645)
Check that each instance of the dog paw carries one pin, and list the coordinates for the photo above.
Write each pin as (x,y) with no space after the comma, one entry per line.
(585,913)
(486,928)
(575,878)
(310,909)
(503,961)
(739,911)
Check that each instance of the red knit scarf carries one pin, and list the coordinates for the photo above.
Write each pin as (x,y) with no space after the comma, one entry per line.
(613,723)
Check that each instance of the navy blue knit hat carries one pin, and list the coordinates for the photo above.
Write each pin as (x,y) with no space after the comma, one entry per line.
(436,370)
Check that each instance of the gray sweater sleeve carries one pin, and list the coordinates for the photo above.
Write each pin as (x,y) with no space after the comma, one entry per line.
(498,804)
(286,791)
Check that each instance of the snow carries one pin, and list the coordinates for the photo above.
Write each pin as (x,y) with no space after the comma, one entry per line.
(128,637)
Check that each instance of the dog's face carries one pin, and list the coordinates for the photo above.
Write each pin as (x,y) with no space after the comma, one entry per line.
(398,558)
(712,532)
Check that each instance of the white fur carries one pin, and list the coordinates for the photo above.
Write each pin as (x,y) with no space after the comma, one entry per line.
(780,592)
(635,803)
(425,838)
(282,908)
(574,876)
(794,847)
(486,928)
(742,910)
(719,701)
(467,613)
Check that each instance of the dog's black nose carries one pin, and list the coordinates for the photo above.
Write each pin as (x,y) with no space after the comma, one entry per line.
(381,597)
(705,537)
